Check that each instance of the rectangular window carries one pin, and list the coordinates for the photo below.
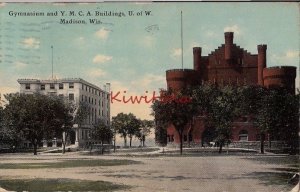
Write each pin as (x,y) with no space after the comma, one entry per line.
(82,97)
(61,86)
(82,87)
(71,96)
(42,86)
(52,86)
(27,86)
(71,85)
(85,98)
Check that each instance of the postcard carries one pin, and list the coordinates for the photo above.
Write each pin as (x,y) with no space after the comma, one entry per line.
(115,63)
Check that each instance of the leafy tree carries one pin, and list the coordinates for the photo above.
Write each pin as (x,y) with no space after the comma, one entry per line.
(36,116)
(126,125)
(224,111)
(160,133)
(134,126)
(8,135)
(145,130)
(81,112)
(176,108)
(102,132)
(119,123)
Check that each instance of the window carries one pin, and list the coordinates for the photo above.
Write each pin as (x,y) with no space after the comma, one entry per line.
(52,86)
(60,95)
(42,86)
(82,97)
(89,89)
(71,85)
(82,87)
(85,98)
(71,96)
(27,86)
(243,135)
(89,100)
(61,86)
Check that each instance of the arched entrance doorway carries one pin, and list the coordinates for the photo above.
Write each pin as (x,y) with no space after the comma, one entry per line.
(208,136)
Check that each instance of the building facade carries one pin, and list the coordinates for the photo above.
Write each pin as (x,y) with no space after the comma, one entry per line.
(78,91)
(229,64)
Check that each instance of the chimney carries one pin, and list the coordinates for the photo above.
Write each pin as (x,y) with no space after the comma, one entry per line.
(197,58)
(228,45)
(261,62)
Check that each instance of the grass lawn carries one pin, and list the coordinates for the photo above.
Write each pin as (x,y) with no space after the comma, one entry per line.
(278,175)
(68,164)
(59,185)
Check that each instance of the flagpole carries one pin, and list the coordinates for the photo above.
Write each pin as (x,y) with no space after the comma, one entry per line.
(52,60)
(181,43)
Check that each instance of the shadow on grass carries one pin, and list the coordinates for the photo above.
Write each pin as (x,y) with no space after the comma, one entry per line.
(287,167)
(273,178)
(59,185)
(68,164)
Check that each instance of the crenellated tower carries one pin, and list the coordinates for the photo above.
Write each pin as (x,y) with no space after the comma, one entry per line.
(261,63)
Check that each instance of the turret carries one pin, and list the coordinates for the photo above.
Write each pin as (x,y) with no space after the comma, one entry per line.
(197,58)
(228,45)
(261,62)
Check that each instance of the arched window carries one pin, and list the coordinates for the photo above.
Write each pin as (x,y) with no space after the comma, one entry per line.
(243,135)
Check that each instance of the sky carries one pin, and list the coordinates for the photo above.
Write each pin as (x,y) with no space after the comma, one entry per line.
(132,53)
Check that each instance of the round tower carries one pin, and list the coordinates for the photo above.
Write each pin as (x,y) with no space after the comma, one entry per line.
(197,58)
(283,76)
(261,63)
(179,78)
(228,45)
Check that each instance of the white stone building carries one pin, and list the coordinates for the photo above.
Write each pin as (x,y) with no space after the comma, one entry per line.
(76,90)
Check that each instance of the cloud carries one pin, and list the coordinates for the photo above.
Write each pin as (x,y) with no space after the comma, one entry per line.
(80,40)
(289,57)
(19,65)
(148,82)
(102,33)
(175,53)
(31,43)
(96,73)
(148,41)
(292,54)
(211,34)
(98,59)
(234,28)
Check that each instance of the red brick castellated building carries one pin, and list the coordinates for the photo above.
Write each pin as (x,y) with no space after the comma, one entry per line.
(228,64)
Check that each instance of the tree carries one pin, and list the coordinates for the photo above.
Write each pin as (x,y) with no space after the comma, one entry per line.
(145,130)
(224,111)
(80,113)
(278,115)
(8,135)
(220,107)
(134,126)
(68,119)
(126,125)
(102,132)
(36,116)
(176,108)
